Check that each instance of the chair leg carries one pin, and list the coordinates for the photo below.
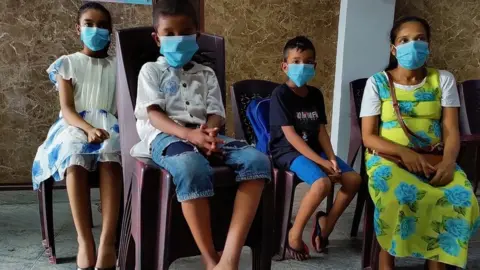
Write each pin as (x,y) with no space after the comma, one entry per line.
(368,261)
(46,214)
(41,206)
(90,210)
(330,198)
(361,196)
(119,224)
(261,254)
(284,212)
(126,249)
(151,241)
(259,260)
(476,176)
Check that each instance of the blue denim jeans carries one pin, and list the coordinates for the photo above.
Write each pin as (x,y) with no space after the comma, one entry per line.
(191,171)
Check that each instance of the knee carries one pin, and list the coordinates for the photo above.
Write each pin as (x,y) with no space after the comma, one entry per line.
(352,181)
(254,159)
(110,166)
(77,171)
(321,186)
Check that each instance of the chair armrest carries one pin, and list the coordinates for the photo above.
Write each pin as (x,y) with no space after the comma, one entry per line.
(470,140)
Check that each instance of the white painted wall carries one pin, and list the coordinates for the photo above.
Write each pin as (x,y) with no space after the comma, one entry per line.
(362,50)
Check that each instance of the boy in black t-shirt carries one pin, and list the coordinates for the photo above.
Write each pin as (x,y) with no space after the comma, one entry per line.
(300,143)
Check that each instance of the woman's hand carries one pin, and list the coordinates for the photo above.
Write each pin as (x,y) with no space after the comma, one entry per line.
(415,163)
(97,135)
(444,174)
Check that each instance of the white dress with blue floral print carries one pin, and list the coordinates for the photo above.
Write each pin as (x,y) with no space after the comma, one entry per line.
(93,80)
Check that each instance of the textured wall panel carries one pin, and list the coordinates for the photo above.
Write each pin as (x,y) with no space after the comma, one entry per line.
(256,32)
(455,40)
(34,33)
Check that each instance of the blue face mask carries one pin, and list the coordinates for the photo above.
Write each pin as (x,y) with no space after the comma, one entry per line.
(300,74)
(178,50)
(412,55)
(96,39)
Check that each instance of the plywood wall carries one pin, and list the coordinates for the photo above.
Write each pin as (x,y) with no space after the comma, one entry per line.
(455,33)
(34,33)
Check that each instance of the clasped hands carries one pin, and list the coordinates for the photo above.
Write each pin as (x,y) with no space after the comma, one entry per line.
(331,168)
(438,175)
(205,139)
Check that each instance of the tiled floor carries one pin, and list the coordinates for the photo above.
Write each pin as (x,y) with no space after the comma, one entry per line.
(20,246)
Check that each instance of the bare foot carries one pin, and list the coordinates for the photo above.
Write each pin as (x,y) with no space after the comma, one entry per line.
(86,255)
(226,266)
(106,256)
(210,263)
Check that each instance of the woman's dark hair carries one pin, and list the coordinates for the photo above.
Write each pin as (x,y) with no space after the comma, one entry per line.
(174,8)
(96,6)
(396,27)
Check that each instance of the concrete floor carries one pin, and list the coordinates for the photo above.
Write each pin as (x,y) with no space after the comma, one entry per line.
(20,239)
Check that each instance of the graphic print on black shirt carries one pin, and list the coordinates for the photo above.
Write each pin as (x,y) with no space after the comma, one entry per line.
(305,114)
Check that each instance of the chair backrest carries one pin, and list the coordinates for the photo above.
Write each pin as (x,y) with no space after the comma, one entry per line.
(470,110)
(356,94)
(135,47)
(241,93)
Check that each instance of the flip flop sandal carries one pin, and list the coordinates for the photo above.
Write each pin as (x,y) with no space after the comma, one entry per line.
(294,254)
(317,232)
(86,268)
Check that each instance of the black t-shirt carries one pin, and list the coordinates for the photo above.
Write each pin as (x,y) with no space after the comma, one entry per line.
(305,114)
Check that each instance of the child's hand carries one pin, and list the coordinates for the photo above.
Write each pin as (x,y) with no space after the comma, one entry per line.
(330,169)
(335,166)
(212,132)
(327,166)
(97,135)
(202,139)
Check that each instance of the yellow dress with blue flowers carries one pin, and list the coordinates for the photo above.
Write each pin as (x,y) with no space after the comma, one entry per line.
(413,218)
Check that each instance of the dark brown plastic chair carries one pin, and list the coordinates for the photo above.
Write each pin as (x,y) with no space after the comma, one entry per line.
(285,182)
(155,232)
(371,247)
(470,123)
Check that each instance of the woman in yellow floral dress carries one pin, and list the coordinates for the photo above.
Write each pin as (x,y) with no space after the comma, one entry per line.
(422,211)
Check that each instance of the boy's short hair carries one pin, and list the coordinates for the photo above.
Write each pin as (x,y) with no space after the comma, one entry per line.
(301,43)
(172,8)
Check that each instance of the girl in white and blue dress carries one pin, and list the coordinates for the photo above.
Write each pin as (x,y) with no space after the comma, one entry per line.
(85,138)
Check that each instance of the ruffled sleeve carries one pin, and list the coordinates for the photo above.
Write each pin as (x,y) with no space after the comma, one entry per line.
(63,67)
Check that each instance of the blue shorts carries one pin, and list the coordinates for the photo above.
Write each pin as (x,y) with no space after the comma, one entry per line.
(309,171)
(191,171)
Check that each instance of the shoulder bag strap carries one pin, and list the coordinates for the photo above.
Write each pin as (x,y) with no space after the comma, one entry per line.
(410,134)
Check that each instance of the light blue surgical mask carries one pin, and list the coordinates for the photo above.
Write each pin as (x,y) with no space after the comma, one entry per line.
(412,55)
(178,50)
(96,39)
(300,74)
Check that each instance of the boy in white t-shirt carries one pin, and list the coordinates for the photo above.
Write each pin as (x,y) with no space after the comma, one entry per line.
(179,110)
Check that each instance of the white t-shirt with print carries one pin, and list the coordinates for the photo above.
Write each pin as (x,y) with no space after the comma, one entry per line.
(372,105)
(187,97)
